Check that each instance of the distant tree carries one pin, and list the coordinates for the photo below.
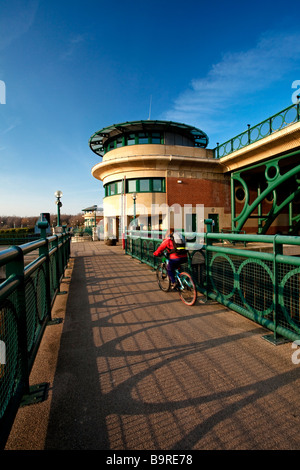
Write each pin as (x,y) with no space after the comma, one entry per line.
(14,221)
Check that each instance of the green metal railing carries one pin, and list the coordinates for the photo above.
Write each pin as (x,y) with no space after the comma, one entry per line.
(83,231)
(26,298)
(267,127)
(263,286)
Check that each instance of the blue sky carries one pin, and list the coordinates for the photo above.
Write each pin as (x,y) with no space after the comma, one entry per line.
(71,68)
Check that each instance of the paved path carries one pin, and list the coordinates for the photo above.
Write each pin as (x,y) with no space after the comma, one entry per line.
(133,368)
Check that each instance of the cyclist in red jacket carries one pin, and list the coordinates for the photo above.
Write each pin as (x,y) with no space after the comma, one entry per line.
(174,244)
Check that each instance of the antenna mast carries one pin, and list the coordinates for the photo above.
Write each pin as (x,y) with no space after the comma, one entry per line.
(150,108)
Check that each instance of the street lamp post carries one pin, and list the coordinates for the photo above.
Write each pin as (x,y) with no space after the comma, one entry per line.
(58,195)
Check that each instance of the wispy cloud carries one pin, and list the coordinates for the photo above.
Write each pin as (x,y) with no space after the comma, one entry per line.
(17,17)
(9,128)
(238,75)
(72,46)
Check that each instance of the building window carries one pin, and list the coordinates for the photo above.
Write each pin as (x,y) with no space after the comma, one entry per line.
(131,186)
(142,185)
(157,185)
(113,188)
(156,138)
(143,138)
(119,185)
(146,185)
(133,139)
(119,142)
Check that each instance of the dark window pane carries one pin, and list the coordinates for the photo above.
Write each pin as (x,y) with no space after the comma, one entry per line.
(131,139)
(157,185)
(156,138)
(112,188)
(143,138)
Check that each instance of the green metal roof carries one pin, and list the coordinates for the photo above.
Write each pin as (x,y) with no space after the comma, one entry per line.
(90,209)
(99,138)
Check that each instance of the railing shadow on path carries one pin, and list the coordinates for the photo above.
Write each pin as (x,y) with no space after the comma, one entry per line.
(139,370)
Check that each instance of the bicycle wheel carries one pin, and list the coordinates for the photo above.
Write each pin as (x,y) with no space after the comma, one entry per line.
(188,291)
(162,277)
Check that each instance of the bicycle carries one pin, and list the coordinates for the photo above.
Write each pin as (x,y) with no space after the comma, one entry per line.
(185,284)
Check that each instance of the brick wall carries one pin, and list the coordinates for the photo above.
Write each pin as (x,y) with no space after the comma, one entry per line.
(210,192)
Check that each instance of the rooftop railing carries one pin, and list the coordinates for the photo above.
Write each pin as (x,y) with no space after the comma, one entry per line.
(265,128)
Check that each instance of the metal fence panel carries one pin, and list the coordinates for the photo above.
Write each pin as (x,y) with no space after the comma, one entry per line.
(26,297)
(262,286)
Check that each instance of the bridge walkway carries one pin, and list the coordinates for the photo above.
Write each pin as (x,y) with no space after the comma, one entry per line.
(133,368)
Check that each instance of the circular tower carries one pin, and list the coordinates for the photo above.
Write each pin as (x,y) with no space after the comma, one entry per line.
(152,169)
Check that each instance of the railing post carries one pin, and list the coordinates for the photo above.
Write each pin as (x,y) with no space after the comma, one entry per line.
(208,241)
(208,223)
(270,126)
(125,240)
(64,246)
(277,250)
(16,268)
(232,196)
(44,251)
(249,137)
(59,256)
(56,254)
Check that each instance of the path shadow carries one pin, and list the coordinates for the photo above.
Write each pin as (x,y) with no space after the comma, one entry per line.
(124,371)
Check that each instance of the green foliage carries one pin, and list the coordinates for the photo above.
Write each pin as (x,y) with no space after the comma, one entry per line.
(16,231)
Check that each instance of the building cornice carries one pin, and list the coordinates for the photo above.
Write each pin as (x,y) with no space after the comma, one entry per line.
(125,163)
